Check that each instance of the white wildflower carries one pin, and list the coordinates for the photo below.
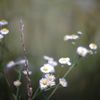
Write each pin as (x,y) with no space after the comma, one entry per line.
(47,58)
(74,37)
(4,31)
(63,82)
(67,37)
(21,62)
(51,83)
(11,64)
(17,83)
(52,62)
(43,83)
(3,22)
(82,51)
(50,77)
(47,68)
(79,32)
(93,46)
(65,61)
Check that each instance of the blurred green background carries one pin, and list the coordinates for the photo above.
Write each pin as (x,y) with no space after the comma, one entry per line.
(46,22)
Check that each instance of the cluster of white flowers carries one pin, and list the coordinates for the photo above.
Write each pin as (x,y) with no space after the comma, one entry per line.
(12,63)
(3,31)
(72,37)
(48,69)
(48,81)
(82,51)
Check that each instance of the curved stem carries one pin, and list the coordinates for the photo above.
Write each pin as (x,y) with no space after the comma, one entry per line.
(35,93)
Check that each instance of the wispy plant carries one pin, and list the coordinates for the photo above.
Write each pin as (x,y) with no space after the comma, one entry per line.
(29,87)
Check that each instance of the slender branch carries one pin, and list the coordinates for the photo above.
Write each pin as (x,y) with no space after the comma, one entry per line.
(35,93)
(29,88)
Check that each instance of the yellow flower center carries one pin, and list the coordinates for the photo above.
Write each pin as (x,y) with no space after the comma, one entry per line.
(82,51)
(73,35)
(45,69)
(65,36)
(49,77)
(4,29)
(44,82)
(62,82)
(9,62)
(63,59)
(94,45)
(3,20)
(17,83)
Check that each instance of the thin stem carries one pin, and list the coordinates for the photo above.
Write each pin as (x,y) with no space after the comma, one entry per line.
(7,49)
(74,53)
(1,64)
(6,80)
(53,91)
(29,88)
(19,78)
(17,92)
(69,70)
(35,93)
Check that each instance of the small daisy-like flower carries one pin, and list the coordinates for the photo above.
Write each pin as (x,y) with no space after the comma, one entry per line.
(67,37)
(47,58)
(11,64)
(63,82)
(25,72)
(21,61)
(1,36)
(51,83)
(93,46)
(50,77)
(3,22)
(17,83)
(79,32)
(43,83)
(82,51)
(65,61)
(52,62)
(74,37)
(4,31)
(47,68)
